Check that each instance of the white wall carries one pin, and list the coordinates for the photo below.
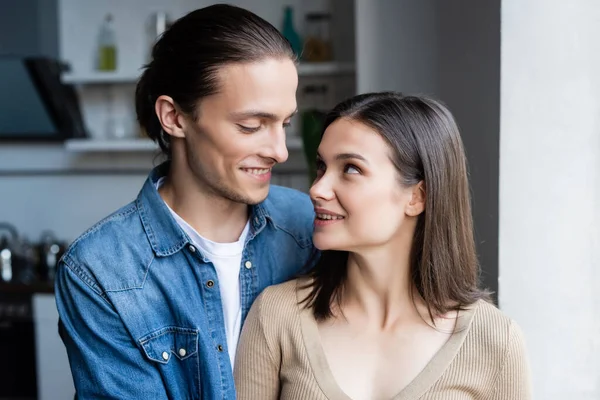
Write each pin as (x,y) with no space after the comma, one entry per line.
(550,190)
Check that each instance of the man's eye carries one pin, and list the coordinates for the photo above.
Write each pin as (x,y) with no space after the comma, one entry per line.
(286,124)
(351,169)
(248,129)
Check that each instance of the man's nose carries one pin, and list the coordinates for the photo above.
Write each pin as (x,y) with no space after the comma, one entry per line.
(277,147)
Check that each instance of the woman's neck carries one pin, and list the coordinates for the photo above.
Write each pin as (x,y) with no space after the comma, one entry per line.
(379,285)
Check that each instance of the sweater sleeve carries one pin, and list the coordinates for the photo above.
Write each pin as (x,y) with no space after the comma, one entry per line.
(514,377)
(257,364)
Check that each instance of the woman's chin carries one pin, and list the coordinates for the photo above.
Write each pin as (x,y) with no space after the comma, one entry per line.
(324,244)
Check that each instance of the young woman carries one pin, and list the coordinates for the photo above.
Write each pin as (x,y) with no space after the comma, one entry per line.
(392,310)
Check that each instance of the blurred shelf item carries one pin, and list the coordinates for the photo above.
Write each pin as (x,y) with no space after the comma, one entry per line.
(110,78)
(325,68)
(137,145)
(110,145)
(101,78)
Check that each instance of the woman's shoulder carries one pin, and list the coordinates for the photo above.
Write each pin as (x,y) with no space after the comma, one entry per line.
(488,314)
(494,328)
(280,300)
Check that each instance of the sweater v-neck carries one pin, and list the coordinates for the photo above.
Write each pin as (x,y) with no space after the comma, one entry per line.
(432,372)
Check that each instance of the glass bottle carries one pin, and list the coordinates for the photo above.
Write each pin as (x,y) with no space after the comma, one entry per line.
(289,32)
(317,46)
(107,46)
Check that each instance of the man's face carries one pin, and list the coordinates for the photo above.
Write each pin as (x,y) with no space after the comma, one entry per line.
(239,134)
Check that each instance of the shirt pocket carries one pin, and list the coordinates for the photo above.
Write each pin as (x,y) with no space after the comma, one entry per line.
(164,343)
(175,350)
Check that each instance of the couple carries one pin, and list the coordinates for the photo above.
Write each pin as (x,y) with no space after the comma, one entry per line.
(153,298)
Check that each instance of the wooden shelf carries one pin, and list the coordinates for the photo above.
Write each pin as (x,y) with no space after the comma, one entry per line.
(136,145)
(131,78)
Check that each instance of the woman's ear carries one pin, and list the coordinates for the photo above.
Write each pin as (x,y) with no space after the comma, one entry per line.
(171,119)
(416,205)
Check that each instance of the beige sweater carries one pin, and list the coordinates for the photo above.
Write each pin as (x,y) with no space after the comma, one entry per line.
(280,356)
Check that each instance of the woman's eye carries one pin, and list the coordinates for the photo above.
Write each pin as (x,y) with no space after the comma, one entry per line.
(351,169)
(286,124)
(249,129)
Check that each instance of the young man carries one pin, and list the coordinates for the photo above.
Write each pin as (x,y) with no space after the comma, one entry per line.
(152,299)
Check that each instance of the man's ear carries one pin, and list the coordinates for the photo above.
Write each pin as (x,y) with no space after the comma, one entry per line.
(170,117)
(416,205)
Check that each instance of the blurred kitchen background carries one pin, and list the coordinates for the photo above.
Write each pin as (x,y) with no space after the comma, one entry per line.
(521,77)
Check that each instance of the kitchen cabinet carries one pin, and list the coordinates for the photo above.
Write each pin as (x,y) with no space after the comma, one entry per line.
(54,379)
(17,329)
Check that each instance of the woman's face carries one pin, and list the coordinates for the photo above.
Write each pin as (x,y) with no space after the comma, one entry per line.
(359,201)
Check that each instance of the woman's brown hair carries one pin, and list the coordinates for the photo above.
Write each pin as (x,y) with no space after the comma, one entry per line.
(426,146)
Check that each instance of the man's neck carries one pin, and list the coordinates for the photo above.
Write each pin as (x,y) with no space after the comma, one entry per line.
(214,218)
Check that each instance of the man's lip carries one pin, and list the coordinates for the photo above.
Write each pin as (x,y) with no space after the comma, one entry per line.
(319,210)
(257,167)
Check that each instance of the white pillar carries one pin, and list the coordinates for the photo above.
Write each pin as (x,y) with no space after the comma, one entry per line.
(549,239)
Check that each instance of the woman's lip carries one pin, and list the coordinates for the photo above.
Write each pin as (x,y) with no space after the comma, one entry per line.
(324,222)
(319,210)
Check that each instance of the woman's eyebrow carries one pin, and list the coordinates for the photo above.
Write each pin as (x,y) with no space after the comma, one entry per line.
(346,156)
(349,156)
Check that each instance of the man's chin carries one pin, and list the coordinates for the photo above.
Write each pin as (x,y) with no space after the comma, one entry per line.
(255,197)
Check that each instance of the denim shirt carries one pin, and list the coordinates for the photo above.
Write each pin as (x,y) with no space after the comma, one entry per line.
(139,305)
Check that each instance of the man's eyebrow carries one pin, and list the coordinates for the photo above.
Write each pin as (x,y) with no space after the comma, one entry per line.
(259,114)
(346,156)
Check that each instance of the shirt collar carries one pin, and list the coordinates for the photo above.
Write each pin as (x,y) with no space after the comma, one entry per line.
(163,232)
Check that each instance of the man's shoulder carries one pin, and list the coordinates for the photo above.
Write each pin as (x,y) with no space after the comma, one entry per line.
(281,195)
(114,225)
(110,246)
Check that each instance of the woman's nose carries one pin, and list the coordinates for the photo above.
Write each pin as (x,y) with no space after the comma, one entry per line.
(321,188)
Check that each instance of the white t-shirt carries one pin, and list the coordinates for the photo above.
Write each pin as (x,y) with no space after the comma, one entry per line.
(226,258)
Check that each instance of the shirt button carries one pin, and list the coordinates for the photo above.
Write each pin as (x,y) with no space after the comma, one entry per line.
(192,248)
(248,265)
(182,352)
(210,283)
(220,348)
(165,355)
